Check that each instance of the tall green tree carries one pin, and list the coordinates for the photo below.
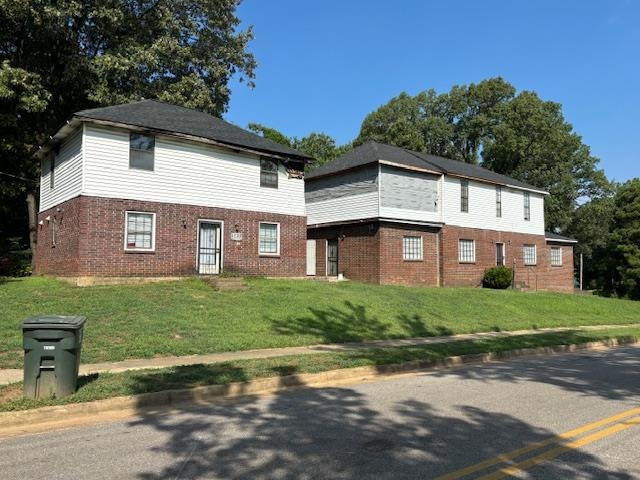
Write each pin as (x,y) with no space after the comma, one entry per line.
(487,123)
(59,57)
(453,125)
(533,143)
(320,146)
(624,240)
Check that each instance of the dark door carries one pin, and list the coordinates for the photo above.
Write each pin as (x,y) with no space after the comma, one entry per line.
(332,258)
(499,254)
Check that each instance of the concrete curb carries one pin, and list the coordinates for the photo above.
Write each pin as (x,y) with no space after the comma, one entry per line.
(65,416)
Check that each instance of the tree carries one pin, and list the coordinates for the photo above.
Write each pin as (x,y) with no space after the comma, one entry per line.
(61,57)
(590,225)
(533,143)
(320,146)
(453,125)
(517,135)
(624,241)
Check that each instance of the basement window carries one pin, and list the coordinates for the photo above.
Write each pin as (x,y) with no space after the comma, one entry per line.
(140,231)
(141,151)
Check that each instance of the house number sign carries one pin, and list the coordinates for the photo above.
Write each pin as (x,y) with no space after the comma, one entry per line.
(236,236)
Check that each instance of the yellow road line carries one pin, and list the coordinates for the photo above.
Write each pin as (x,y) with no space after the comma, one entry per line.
(538,445)
(513,470)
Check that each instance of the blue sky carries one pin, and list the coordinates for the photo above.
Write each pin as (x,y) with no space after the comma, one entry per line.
(324,65)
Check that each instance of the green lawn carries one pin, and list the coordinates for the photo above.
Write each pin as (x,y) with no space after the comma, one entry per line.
(108,385)
(189,317)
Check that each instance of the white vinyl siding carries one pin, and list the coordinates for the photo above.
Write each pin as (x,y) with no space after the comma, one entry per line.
(343,209)
(529,254)
(269,239)
(67,181)
(187,173)
(482,208)
(140,231)
(466,251)
(556,256)
(411,248)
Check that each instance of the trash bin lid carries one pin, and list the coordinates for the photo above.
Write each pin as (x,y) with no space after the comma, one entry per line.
(60,322)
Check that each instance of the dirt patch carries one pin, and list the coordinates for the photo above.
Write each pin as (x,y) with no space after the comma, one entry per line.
(10,393)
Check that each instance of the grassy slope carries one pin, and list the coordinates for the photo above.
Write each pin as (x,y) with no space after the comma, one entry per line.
(189,317)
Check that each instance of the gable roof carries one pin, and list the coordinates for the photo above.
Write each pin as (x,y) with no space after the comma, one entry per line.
(167,118)
(375,152)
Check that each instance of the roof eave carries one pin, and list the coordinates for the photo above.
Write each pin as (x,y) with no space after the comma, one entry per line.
(195,138)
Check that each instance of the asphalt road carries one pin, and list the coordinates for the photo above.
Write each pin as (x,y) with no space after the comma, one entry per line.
(574,416)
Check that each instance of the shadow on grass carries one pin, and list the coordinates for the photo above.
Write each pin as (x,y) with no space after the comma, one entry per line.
(380,430)
(353,324)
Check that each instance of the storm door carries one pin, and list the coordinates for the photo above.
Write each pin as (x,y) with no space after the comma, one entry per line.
(209,247)
(332,258)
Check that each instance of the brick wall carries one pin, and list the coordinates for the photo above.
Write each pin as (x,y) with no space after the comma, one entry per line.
(372,252)
(57,248)
(394,270)
(541,276)
(358,250)
(97,242)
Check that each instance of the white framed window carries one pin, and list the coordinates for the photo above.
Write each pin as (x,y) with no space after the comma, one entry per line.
(141,151)
(411,248)
(269,239)
(464,195)
(268,173)
(556,256)
(466,251)
(140,231)
(527,206)
(498,201)
(529,254)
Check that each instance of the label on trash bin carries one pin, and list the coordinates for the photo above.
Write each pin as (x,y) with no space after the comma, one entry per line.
(49,347)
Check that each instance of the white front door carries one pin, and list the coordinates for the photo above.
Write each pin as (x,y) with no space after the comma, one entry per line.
(209,247)
(311,257)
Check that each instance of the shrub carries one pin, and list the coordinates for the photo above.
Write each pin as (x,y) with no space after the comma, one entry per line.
(497,277)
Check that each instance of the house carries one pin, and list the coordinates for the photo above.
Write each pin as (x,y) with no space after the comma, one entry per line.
(387,215)
(151,189)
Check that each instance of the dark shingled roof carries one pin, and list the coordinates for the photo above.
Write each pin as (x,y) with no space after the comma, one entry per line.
(164,117)
(372,152)
(554,237)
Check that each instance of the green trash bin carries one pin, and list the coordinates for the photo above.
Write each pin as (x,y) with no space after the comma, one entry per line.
(52,346)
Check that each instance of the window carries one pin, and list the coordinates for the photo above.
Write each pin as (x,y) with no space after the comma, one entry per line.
(140,231)
(412,248)
(464,195)
(52,171)
(466,251)
(141,149)
(556,256)
(269,239)
(529,254)
(498,201)
(268,173)
(527,206)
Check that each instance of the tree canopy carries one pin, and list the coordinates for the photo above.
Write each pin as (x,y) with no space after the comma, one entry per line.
(519,135)
(624,240)
(60,57)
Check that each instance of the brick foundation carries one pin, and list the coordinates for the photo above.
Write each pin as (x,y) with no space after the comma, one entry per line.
(372,252)
(89,240)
